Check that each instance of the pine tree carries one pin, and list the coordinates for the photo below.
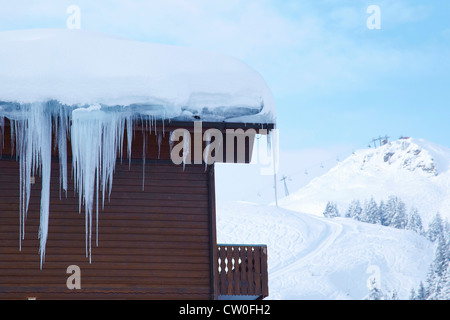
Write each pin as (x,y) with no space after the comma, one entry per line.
(441,256)
(389,211)
(412,294)
(444,294)
(421,292)
(431,284)
(394,295)
(446,231)
(371,212)
(436,228)
(381,212)
(415,222)
(400,218)
(354,210)
(331,210)
(374,292)
(436,279)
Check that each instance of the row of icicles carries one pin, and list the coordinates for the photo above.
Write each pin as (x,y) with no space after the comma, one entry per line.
(97,140)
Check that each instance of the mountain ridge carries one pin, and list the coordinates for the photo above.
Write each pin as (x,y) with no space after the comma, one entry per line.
(415,170)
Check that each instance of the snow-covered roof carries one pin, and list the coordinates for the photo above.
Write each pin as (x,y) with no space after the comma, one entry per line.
(80,68)
(102,83)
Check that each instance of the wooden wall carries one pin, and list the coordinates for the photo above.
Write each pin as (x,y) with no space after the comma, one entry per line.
(153,243)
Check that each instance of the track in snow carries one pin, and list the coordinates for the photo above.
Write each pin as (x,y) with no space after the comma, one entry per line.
(329,233)
(311,257)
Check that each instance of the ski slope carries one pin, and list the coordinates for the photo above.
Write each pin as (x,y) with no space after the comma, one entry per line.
(310,257)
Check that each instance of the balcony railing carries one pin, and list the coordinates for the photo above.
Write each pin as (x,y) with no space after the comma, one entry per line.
(242,270)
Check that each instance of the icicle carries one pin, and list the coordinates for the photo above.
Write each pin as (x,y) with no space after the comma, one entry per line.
(61,133)
(272,145)
(97,186)
(144,148)
(208,145)
(186,146)
(46,163)
(2,131)
(13,139)
(269,143)
(96,139)
(163,125)
(150,124)
(18,139)
(130,130)
(120,128)
(33,141)
(170,142)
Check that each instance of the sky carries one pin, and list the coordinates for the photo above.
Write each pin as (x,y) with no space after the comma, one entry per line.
(337,83)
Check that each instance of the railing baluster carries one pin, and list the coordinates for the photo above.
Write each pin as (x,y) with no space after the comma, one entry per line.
(237,271)
(223,274)
(245,271)
(229,271)
(242,270)
(257,268)
(251,270)
(264,273)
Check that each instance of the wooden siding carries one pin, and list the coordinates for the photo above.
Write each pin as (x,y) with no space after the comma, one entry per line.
(161,150)
(153,244)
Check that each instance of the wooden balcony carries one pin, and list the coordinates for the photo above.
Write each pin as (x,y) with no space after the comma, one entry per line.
(242,271)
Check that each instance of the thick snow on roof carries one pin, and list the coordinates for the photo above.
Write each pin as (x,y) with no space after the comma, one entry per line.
(101,84)
(79,68)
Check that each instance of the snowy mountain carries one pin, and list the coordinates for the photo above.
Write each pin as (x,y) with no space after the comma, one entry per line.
(311,257)
(416,171)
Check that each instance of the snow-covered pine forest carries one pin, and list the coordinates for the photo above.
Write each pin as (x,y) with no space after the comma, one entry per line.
(394,213)
(390,213)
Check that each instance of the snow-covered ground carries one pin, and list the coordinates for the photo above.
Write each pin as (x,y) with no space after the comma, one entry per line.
(311,257)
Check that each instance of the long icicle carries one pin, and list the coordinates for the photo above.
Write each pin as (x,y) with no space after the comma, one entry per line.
(33,141)
(97,138)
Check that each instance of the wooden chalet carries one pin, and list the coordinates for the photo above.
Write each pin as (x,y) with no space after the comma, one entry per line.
(156,232)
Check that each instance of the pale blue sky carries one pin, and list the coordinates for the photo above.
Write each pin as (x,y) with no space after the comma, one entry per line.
(337,84)
(334,80)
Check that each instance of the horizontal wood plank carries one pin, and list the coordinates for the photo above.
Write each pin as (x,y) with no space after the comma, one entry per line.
(153,242)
